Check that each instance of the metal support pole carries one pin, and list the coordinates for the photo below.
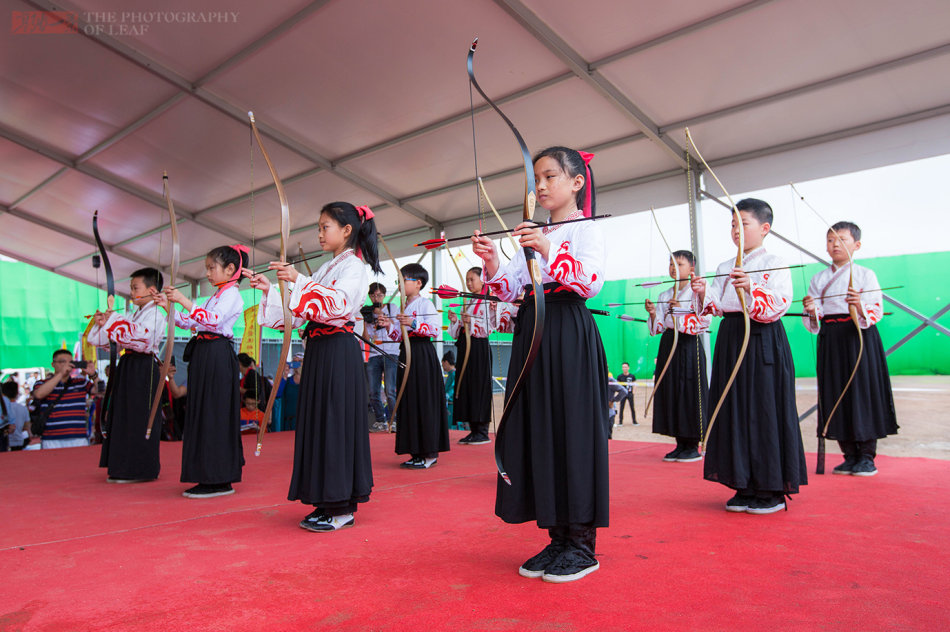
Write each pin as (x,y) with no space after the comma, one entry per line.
(694,187)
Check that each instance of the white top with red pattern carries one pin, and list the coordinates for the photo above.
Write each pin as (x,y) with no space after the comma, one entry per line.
(428,320)
(505,316)
(142,331)
(691,323)
(834,282)
(332,296)
(483,318)
(771,294)
(217,315)
(577,260)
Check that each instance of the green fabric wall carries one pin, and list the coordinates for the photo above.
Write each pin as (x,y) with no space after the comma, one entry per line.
(39,310)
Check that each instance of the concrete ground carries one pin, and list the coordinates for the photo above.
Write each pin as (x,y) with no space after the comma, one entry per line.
(923,414)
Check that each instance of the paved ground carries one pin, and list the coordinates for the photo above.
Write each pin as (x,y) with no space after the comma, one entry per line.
(923,413)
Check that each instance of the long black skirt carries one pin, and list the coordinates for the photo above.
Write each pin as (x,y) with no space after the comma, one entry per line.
(867,410)
(332,465)
(422,419)
(680,404)
(755,442)
(554,447)
(473,400)
(211,450)
(125,452)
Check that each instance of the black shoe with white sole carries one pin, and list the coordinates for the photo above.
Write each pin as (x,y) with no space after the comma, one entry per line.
(208,491)
(740,502)
(571,565)
(319,522)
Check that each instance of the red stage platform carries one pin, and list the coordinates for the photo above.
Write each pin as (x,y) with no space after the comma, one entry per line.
(427,553)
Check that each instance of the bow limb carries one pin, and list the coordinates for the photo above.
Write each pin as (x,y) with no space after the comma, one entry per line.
(852,311)
(742,299)
(466,326)
(170,324)
(405,332)
(284,291)
(676,330)
(534,271)
(110,304)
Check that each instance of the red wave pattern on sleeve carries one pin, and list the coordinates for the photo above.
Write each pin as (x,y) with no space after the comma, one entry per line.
(500,286)
(203,316)
(874,313)
(692,324)
(425,330)
(764,304)
(314,303)
(569,271)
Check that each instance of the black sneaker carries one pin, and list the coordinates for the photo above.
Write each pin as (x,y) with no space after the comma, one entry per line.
(864,467)
(689,456)
(467,439)
(422,464)
(762,506)
(379,426)
(847,467)
(411,463)
(208,491)
(739,503)
(671,456)
(570,566)
(536,565)
(479,440)
(321,523)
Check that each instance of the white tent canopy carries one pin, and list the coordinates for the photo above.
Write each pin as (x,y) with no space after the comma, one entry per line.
(368,101)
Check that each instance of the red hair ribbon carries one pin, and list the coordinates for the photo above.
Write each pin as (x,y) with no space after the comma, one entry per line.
(587,157)
(365,213)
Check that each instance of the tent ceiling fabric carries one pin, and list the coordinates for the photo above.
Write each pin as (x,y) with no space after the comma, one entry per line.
(368,101)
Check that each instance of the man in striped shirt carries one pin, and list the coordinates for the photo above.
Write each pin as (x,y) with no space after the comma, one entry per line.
(66,425)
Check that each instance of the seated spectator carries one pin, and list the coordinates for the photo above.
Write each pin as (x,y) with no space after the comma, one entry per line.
(252,382)
(65,398)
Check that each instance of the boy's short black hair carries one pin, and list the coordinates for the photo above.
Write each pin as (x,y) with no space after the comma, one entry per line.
(760,209)
(415,271)
(9,389)
(150,277)
(624,363)
(851,227)
(376,287)
(245,360)
(685,254)
(449,357)
(60,352)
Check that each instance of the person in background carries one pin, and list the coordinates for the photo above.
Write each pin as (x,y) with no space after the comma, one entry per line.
(379,370)
(253,384)
(627,379)
(289,394)
(66,424)
(448,366)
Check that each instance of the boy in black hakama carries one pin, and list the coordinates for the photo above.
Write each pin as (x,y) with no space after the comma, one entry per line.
(756,446)
(866,412)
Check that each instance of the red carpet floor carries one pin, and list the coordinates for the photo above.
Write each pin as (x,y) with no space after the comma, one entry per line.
(428,554)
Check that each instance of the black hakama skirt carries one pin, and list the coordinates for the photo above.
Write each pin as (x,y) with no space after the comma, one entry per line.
(332,465)
(680,404)
(125,452)
(867,410)
(755,442)
(554,446)
(422,419)
(211,451)
(474,399)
